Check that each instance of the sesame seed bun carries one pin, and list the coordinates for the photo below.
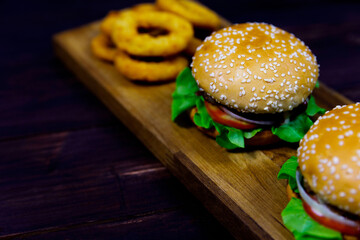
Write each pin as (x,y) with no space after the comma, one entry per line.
(329,157)
(255,67)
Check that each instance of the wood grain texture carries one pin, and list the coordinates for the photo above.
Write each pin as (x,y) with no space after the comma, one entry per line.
(240,187)
(85,180)
(151,226)
(34,104)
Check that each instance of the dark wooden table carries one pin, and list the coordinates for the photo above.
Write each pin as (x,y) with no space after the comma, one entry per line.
(70,170)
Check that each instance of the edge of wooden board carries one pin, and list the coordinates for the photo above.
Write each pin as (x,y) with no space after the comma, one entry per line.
(178,162)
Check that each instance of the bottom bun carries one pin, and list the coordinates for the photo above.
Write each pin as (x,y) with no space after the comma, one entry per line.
(262,138)
(347,237)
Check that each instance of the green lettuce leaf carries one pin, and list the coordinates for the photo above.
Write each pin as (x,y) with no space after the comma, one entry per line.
(303,226)
(317,84)
(229,138)
(312,108)
(181,104)
(184,96)
(288,172)
(202,117)
(294,130)
(249,134)
(236,137)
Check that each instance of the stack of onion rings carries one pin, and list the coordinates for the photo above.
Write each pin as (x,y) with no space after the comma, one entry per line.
(197,14)
(146,41)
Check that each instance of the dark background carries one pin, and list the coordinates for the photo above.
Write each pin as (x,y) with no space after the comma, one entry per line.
(70,170)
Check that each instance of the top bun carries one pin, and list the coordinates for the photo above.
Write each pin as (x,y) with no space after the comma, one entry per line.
(255,67)
(329,157)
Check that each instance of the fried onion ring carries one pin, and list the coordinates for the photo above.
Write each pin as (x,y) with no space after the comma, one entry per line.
(196,13)
(126,36)
(139,70)
(142,7)
(103,48)
(109,20)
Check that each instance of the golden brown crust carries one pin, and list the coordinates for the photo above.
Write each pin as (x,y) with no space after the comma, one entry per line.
(329,157)
(102,47)
(107,23)
(126,37)
(135,69)
(260,139)
(196,13)
(142,7)
(255,67)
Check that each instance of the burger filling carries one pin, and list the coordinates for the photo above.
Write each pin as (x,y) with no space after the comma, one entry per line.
(310,216)
(220,116)
(326,214)
(332,208)
(234,126)
(236,119)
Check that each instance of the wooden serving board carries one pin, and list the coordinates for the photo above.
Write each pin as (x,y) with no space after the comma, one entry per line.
(238,187)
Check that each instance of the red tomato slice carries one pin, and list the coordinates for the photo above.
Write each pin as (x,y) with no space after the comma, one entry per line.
(331,223)
(221,117)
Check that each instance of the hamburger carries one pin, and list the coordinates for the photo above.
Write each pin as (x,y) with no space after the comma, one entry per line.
(324,178)
(250,84)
